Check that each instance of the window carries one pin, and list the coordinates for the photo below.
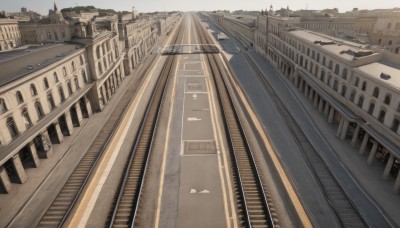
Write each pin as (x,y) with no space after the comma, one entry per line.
(371,108)
(27,119)
(344,88)
(33,90)
(364,86)
(330,64)
(39,110)
(322,75)
(352,95)
(317,57)
(301,60)
(12,128)
(45,83)
(357,81)
(64,72)
(375,93)
(69,88)
(73,66)
(381,116)
(395,125)
(388,98)
(19,97)
(3,106)
(360,101)
(50,101)
(99,67)
(98,52)
(61,94)
(308,51)
(344,73)
(83,72)
(337,69)
(55,77)
(313,54)
(76,83)
(335,85)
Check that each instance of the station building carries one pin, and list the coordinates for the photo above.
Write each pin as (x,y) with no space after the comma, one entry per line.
(356,86)
(50,86)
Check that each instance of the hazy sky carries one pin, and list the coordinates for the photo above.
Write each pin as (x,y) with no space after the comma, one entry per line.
(42,6)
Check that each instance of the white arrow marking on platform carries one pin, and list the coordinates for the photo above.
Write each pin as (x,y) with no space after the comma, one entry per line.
(205,191)
(193,119)
(193,191)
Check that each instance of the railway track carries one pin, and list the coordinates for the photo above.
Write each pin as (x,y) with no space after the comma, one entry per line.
(63,203)
(341,205)
(125,210)
(252,201)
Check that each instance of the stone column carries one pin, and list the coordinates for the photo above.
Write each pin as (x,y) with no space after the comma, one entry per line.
(5,180)
(355,136)
(344,130)
(46,144)
(79,113)
(364,143)
(326,109)
(340,127)
(331,114)
(70,125)
(316,100)
(396,187)
(321,105)
(88,106)
(32,150)
(388,167)
(19,168)
(372,153)
(60,137)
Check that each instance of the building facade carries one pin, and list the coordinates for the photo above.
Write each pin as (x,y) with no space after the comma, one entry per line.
(10,36)
(354,85)
(46,94)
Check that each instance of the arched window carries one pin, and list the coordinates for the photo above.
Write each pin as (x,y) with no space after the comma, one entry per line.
(12,128)
(337,68)
(301,60)
(335,85)
(3,106)
(317,57)
(330,64)
(322,75)
(69,88)
(33,90)
(98,52)
(45,83)
(371,108)
(83,72)
(73,66)
(381,116)
(64,72)
(50,101)
(77,86)
(364,86)
(388,98)
(344,88)
(19,97)
(352,95)
(375,93)
(344,73)
(55,77)
(27,119)
(390,43)
(39,110)
(61,94)
(360,101)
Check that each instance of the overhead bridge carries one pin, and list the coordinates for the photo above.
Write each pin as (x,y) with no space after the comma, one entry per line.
(189,49)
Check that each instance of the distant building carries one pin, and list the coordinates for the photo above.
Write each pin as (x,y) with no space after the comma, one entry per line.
(10,36)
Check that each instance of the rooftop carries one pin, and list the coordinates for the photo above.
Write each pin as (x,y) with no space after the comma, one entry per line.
(374,70)
(16,64)
(344,49)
